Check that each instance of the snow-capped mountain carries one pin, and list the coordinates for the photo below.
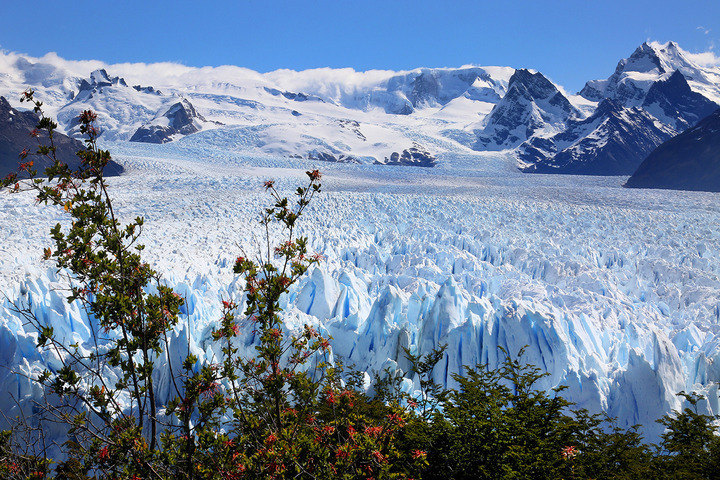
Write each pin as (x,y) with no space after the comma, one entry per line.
(649,63)
(179,120)
(319,114)
(673,102)
(689,161)
(366,117)
(531,104)
(612,141)
(654,94)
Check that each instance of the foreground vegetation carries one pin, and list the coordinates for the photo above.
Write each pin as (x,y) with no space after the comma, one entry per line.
(287,412)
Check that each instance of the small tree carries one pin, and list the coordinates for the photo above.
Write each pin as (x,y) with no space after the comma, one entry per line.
(690,447)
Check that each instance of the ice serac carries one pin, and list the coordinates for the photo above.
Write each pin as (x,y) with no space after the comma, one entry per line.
(614,140)
(532,104)
(689,161)
(179,120)
(15,128)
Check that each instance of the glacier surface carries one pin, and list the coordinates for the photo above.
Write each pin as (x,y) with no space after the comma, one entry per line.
(615,292)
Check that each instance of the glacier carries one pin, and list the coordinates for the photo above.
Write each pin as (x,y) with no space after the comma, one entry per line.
(615,292)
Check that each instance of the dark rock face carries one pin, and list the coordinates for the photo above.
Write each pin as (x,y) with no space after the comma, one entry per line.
(298,97)
(15,128)
(178,119)
(689,161)
(331,157)
(415,156)
(531,102)
(98,79)
(673,102)
(425,89)
(612,141)
(140,88)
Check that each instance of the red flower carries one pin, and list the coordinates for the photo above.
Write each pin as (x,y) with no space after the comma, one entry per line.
(314,175)
(269,184)
(569,452)
(103,453)
(418,454)
(396,419)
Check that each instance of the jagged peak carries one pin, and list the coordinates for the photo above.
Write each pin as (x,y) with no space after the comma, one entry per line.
(665,57)
(100,78)
(100,75)
(608,107)
(531,84)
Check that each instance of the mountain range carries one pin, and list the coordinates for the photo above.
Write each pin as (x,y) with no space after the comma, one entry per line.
(384,117)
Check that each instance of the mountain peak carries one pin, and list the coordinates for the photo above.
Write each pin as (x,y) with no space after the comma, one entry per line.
(100,78)
(649,63)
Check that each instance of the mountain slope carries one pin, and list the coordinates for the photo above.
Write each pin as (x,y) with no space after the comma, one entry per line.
(673,102)
(689,161)
(15,128)
(179,120)
(612,141)
(532,103)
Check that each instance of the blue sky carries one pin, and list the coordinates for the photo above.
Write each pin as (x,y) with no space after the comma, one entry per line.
(570,41)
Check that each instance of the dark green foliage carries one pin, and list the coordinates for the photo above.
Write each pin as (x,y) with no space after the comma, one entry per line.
(690,448)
